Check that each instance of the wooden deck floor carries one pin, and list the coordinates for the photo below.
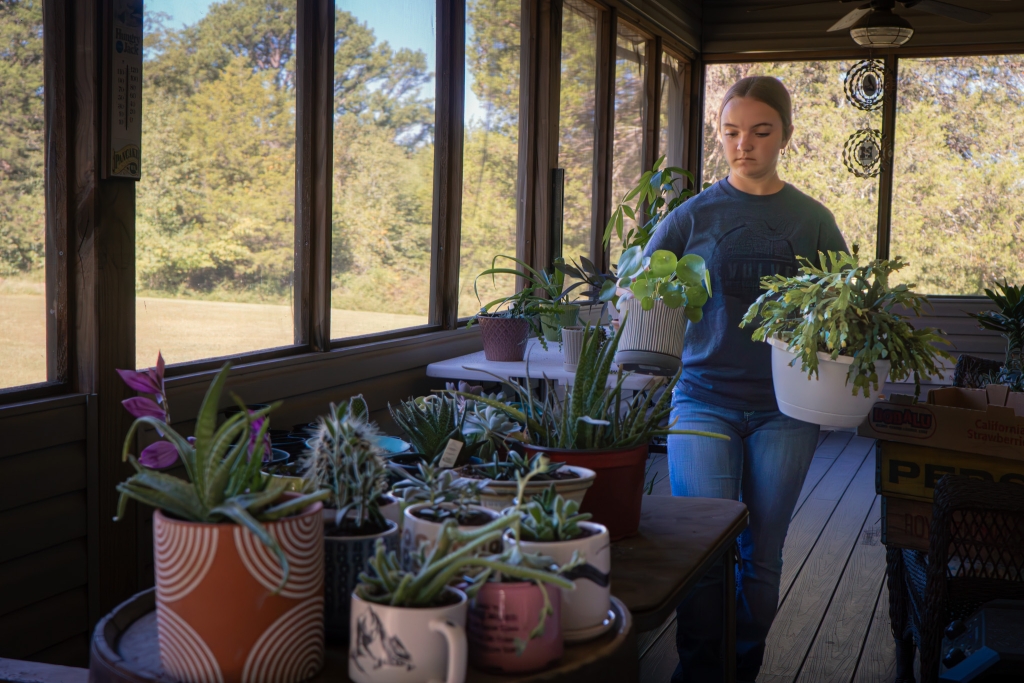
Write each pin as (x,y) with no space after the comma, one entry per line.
(833,619)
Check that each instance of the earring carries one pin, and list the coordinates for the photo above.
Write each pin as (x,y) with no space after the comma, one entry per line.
(782,152)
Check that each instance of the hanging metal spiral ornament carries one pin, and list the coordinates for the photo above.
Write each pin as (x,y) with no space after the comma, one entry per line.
(865,84)
(862,153)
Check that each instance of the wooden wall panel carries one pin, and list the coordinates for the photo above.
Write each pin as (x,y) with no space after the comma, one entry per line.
(729,27)
(41,575)
(38,475)
(25,632)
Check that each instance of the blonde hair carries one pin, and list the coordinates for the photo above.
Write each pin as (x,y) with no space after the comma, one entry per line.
(765,89)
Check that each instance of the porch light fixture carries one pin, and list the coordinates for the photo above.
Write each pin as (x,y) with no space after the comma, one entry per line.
(881,28)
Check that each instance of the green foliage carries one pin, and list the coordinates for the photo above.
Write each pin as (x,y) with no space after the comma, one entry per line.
(546,289)
(592,416)
(1009,322)
(682,282)
(344,458)
(550,517)
(845,308)
(513,467)
(486,430)
(225,484)
(430,422)
(447,495)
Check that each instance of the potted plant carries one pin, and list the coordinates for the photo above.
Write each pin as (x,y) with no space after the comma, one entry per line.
(410,626)
(657,295)
(505,326)
(593,426)
(429,422)
(502,477)
(345,460)
(552,526)
(546,295)
(836,333)
(1009,322)
(432,497)
(239,563)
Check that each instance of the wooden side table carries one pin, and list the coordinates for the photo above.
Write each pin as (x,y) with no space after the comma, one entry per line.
(680,540)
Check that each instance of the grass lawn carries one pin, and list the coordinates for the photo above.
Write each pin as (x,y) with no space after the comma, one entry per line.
(183,330)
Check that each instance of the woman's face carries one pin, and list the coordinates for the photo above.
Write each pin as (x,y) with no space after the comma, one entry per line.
(752,134)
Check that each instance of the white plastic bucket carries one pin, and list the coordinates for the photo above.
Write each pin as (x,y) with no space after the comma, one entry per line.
(826,400)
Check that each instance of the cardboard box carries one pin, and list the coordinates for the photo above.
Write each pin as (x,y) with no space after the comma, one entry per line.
(906,523)
(907,471)
(985,421)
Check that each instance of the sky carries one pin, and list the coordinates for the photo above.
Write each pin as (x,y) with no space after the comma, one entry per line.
(402,23)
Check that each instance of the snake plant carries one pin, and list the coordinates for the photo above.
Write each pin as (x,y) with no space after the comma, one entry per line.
(224,481)
(592,415)
(1009,322)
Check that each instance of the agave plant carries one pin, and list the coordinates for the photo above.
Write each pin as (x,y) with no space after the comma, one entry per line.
(430,422)
(344,458)
(550,517)
(592,415)
(224,481)
(1009,322)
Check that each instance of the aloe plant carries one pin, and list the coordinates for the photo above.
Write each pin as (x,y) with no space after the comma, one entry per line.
(1009,322)
(430,422)
(344,458)
(224,481)
(592,415)
(843,308)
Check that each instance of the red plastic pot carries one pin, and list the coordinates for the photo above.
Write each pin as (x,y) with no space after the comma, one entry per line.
(504,338)
(618,489)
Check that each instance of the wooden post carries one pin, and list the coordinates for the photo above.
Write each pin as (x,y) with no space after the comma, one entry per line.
(604,124)
(885,184)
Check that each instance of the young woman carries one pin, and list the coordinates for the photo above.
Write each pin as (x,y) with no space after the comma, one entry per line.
(746,226)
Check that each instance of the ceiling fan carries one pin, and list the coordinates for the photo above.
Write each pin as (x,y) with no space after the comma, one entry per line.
(873,24)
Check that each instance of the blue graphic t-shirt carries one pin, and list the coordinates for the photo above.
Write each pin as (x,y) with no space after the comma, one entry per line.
(742,237)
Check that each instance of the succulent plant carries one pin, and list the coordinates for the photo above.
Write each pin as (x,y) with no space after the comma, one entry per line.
(435,487)
(344,458)
(513,467)
(550,517)
(430,422)
(1009,322)
(224,481)
(487,430)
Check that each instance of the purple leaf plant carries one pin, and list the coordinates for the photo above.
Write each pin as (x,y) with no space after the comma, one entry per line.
(159,454)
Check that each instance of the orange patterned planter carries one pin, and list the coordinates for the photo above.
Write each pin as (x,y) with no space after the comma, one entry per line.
(220,618)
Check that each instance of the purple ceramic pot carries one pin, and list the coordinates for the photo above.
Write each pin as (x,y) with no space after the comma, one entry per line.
(504,338)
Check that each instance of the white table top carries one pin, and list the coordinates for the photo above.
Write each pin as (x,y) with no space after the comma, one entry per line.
(542,365)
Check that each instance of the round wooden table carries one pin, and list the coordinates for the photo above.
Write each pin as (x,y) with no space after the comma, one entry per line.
(124,650)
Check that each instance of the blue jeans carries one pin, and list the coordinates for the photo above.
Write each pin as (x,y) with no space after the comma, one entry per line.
(764,465)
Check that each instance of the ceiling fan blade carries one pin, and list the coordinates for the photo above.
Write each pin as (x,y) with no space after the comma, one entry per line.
(851,18)
(971,16)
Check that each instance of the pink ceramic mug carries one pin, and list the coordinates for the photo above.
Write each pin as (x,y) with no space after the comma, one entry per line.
(503,613)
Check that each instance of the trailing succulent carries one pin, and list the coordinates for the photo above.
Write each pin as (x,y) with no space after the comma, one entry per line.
(224,480)
(550,517)
(592,415)
(344,459)
(1009,322)
(843,308)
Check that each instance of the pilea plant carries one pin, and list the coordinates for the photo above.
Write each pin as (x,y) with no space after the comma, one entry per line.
(1009,322)
(344,458)
(843,308)
(661,276)
(224,481)
(550,517)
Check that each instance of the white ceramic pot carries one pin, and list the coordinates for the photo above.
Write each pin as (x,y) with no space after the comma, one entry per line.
(652,341)
(408,644)
(572,346)
(586,610)
(416,531)
(827,399)
(591,313)
(504,492)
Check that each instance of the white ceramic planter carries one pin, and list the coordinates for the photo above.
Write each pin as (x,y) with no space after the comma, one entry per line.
(585,611)
(408,644)
(572,347)
(652,341)
(826,400)
(504,492)
(592,313)
(416,531)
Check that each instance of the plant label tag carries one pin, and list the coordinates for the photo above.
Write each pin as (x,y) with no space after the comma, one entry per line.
(451,453)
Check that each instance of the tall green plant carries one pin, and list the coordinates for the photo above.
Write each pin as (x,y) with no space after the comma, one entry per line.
(224,481)
(843,308)
(592,415)
(1009,322)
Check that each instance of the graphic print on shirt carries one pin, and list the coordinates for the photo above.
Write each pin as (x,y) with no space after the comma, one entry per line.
(745,254)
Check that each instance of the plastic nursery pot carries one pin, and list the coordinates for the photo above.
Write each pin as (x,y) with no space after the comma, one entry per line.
(291,445)
(392,445)
(652,341)
(571,485)
(502,613)
(827,399)
(417,531)
(408,644)
(221,612)
(504,339)
(345,556)
(618,490)
(554,318)
(586,611)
